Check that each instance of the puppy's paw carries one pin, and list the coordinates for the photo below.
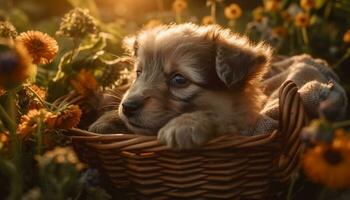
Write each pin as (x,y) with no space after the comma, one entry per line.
(107,124)
(187,131)
(102,127)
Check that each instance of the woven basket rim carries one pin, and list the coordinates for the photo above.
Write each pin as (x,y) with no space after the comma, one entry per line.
(220,142)
(127,141)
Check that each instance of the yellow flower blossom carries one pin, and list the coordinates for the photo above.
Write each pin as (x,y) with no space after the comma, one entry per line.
(207,20)
(307,4)
(329,163)
(233,11)
(179,5)
(272,5)
(302,20)
(346,37)
(258,13)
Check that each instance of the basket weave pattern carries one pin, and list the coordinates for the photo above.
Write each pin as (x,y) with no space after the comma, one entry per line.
(228,167)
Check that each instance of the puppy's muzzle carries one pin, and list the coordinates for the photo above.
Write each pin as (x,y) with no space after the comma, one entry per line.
(132,107)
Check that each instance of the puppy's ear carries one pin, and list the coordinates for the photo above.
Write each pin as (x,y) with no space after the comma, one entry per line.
(241,62)
(130,44)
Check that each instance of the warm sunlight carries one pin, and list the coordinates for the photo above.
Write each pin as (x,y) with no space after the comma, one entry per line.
(174,99)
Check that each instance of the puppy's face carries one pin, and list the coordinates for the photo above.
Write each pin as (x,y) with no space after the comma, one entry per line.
(182,69)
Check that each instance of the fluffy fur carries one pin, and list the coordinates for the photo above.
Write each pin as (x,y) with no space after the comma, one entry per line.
(222,95)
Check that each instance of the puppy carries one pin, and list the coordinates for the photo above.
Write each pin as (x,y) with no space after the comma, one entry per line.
(191,83)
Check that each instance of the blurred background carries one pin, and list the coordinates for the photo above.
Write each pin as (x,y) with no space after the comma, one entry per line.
(89,36)
(322,31)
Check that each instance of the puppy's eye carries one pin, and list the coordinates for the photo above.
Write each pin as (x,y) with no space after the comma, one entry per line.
(138,73)
(178,80)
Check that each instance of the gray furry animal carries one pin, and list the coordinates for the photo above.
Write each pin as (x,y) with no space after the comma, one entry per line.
(192,83)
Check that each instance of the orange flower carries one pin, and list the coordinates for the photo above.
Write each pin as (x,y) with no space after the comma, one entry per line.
(346,37)
(308,4)
(2,91)
(34,102)
(15,65)
(41,47)
(179,5)
(233,11)
(329,163)
(207,20)
(66,118)
(29,122)
(272,5)
(85,82)
(286,16)
(4,140)
(302,20)
(258,13)
(280,31)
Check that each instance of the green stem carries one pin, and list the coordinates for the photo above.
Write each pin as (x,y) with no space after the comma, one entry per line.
(178,17)
(341,124)
(11,117)
(5,117)
(232,23)
(59,73)
(75,47)
(290,189)
(305,36)
(39,136)
(345,57)
(213,11)
(15,180)
(328,9)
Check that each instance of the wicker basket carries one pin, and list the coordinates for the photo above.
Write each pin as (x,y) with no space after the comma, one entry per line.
(228,167)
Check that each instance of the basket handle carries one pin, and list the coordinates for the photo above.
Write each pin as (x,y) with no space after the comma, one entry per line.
(292,118)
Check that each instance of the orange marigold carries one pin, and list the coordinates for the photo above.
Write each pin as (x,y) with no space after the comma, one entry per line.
(2,91)
(233,11)
(302,20)
(286,16)
(272,5)
(179,5)
(85,82)
(258,13)
(207,20)
(308,4)
(34,102)
(280,31)
(67,118)
(4,140)
(41,47)
(346,37)
(329,163)
(29,122)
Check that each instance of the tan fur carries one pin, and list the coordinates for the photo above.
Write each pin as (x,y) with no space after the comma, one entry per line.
(223,96)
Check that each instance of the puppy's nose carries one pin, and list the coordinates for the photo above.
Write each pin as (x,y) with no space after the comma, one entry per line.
(131,107)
